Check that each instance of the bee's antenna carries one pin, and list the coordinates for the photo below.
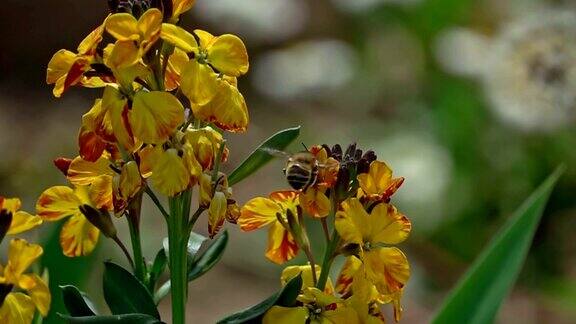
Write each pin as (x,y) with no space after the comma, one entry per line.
(305,147)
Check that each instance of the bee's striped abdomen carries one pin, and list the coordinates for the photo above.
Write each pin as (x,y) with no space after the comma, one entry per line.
(299,177)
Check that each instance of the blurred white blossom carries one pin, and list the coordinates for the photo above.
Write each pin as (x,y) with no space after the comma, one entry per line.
(310,69)
(258,20)
(364,5)
(427,168)
(528,69)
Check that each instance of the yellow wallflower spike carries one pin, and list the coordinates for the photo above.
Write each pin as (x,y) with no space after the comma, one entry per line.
(155,115)
(169,174)
(178,37)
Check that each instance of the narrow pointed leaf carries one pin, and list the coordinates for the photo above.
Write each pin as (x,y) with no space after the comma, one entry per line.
(112,319)
(125,294)
(208,259)
(158,267)
(478,296)
(285,297)
(77,303)
(200,264)
(260,157)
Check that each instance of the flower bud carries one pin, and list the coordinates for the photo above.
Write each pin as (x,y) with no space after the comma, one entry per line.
(101,220)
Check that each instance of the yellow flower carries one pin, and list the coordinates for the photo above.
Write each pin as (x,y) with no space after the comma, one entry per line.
(21,220)
(179,7)
(78,236)
(205,143)
(365,300)
(315,202)
(130,181)
(318,307)
(260,211)
(291,272)
(155,115)
(209,80)
(66,68)
(386,267)
(19,307)
(135,37)
(378,183)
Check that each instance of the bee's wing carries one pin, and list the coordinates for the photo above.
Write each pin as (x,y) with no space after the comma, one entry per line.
(274,152)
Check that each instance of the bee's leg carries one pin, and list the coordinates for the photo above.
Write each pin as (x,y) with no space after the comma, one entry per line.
(284,171)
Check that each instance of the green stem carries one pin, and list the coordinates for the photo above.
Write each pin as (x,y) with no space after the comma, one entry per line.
(329,253)
(177,243)
(328,259)
(157,202)
(133,218)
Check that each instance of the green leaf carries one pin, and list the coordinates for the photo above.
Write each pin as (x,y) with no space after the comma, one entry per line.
(208,259)
(125,294)
(158,267)
(481,291)
(200,264)
(285,297)
(111,319)
(260,157)
(77,303)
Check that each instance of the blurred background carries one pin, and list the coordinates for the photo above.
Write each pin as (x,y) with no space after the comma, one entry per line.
(473,102)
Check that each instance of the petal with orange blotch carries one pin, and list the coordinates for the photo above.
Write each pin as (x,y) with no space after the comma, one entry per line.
(58,202)
(227,109)
(23,221)
(315,202)
(388,226)
(258,212)
(78,236)
(101,192)
(82,172)
(387,268)
(281,245)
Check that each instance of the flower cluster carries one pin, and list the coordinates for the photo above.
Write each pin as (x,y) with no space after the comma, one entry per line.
(168,95)
(351,193)
(21,294)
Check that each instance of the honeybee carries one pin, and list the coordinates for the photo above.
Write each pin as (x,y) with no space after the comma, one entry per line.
(301,169)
